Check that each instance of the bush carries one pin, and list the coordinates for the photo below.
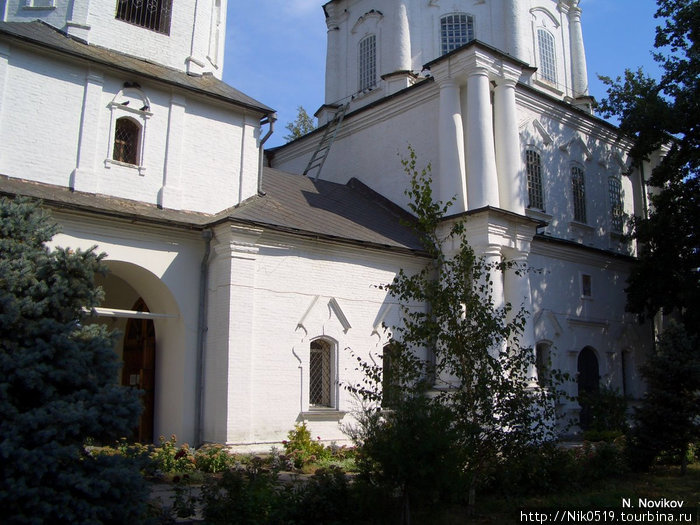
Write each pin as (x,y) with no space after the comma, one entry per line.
(213,459)
(169,458)
(301,449)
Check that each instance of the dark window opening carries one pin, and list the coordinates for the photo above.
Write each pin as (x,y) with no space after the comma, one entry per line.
(150,14)
(126,141)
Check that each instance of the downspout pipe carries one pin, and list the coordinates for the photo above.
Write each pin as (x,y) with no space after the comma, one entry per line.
(201,337)
(270,119)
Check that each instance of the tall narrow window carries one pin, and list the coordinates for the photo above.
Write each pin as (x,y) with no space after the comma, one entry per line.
(534,180)
(616,210)
(455,31)
(126,141)
(390,384)
(548,62)
(578,189)
(320,374)
(542,363)
(368,62)
(150,14)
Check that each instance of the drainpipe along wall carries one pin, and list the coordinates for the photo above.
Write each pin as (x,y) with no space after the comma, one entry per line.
(201,336)
(270,119)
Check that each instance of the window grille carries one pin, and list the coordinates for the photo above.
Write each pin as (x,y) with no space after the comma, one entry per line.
(616,211)
(548,62)
(534,180)
(455,31)
(126,141)
(150,14)
(368,62)
(578,188)
(320,374)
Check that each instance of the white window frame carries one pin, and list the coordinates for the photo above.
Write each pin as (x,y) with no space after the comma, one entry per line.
(332,376)
(547,55)
(367,62)
(455,32)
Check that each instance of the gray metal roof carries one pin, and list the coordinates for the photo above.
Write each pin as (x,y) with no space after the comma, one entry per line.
(292,204)
(46,36)
(352,211)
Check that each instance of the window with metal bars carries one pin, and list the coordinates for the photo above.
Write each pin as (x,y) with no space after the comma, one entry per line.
(320,374)
(578,189)
(126,141)
(150,14)
(535,192)
(616,210)
(368,62)
(548,62)
(455,31)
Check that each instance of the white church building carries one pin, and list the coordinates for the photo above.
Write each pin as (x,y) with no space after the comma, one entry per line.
(243,282)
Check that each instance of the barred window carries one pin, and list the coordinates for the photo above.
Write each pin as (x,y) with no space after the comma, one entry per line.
(616,210)
(320,374)
(126,141)
(534,180)
(578,189)
(368,62)
(150,14)
(455,31)
(548,62)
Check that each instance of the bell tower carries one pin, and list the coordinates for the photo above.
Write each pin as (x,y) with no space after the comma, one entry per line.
(188,36)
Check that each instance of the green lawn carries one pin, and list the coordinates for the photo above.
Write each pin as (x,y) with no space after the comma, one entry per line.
(664,482)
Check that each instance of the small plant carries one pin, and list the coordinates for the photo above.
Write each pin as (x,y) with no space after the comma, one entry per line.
(169,458)
(302,449)
(213,459)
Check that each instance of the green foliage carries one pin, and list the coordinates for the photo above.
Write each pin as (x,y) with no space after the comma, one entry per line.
(608,411)
(480,391)
(57,384)
(301,126)
(668,420)
(301,449)
(665,113)
(213,459)
(168,457)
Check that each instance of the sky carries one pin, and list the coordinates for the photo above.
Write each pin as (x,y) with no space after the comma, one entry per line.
(275,50)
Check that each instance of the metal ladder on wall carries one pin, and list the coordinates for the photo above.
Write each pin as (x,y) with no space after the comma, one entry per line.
(324,146)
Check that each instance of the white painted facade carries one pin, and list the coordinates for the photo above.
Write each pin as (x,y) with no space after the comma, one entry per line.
(236,306)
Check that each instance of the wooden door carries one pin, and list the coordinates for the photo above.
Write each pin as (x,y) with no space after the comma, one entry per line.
(140,367)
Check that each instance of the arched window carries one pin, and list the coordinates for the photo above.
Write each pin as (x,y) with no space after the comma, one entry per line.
(127,133)
(616,209)
(149,14)
(367,62)
(321,374)
(578,190)
(455,31)
(535,191)
(548,61)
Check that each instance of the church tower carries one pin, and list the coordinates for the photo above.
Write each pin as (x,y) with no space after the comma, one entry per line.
(378,47)
(187,36)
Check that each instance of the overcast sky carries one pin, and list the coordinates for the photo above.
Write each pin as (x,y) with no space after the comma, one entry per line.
(275,49)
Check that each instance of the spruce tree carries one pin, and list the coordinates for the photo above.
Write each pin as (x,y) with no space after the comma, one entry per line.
(58,383)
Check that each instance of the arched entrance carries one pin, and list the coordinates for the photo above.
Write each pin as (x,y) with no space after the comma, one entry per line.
(139,356)
(588,384)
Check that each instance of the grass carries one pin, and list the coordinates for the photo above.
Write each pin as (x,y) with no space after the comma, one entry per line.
(664,482)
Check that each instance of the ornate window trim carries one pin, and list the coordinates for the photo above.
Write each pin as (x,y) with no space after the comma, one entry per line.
(123,106)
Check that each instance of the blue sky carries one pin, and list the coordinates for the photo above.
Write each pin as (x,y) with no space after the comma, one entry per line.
(275,49)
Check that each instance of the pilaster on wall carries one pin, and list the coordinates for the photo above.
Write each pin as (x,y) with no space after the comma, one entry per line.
(4,59)
(228,411)
(171,192)
(84,177)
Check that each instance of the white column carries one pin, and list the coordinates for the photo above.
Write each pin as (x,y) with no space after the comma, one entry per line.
(578,53)
(84,178)
(515,22)
(511,186)
(516,290)
(451,183)
(482,178)
(332,58)
(402,40)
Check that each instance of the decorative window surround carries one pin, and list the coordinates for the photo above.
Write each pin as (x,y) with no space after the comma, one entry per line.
(120,108)
(37,5)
